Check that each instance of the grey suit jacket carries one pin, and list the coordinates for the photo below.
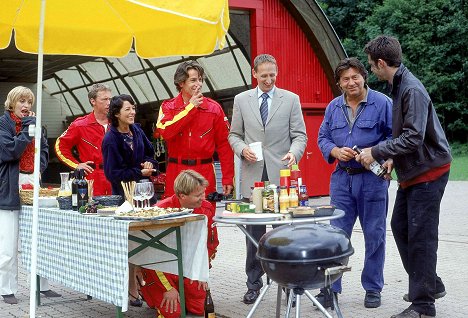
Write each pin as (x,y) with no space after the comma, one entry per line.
(284,132)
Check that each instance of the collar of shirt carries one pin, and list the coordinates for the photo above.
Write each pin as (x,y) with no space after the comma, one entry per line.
(270,95)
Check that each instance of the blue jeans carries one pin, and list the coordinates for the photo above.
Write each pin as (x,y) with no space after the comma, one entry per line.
(415,227)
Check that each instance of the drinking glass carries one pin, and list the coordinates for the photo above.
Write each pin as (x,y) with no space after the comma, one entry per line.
(137,194)
(147,192)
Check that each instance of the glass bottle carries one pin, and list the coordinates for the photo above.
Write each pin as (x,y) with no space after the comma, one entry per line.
(82,190)
(209,306)
(303,196)
(375,167)
(65,190)
(293,198)
(75,190)
(257,198)
(284,199)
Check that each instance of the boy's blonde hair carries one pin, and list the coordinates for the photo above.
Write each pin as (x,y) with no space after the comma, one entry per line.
(16,94)
(187,181)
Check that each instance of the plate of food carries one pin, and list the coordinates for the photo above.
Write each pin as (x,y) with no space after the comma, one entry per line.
(153,213)
(311,211)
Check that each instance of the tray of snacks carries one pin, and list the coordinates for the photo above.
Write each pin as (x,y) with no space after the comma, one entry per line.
(311,211)
(153,213)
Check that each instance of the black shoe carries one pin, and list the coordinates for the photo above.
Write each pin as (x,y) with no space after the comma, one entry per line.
(372,299)
(436,296)
(136,301)
(251,296)
(10,299)
(410,313)
(325,298)
(50,293)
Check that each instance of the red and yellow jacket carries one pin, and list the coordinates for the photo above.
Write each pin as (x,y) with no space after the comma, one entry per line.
(86,134)
(197,132)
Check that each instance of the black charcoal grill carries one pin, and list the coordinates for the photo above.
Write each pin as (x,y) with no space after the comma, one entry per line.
(305,256)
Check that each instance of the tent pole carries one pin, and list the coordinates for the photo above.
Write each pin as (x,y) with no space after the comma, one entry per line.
(37,164)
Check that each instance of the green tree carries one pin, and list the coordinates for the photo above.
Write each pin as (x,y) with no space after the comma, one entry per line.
(434,38)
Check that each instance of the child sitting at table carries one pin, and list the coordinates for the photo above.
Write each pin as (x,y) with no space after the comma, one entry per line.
(160,290)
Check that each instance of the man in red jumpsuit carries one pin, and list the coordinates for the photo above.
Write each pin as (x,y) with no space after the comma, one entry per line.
(194,127)
(161,289)
(86,134)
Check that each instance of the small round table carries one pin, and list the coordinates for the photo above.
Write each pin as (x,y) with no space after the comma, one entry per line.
(242,220)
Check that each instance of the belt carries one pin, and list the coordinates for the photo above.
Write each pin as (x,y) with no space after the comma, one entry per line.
(191,162)
(26,172)
(352,171)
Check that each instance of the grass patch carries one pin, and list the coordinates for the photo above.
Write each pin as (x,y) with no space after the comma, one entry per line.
(459,166)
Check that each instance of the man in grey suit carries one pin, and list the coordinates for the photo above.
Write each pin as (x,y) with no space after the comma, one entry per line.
(272,116)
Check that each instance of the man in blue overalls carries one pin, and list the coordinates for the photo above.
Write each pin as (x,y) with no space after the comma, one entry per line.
(361,117)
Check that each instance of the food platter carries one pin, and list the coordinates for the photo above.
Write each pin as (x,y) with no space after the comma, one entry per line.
(312,211)
(252,216)
(152,214)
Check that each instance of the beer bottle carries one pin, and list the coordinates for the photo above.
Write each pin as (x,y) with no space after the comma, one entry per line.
(375,167)
(209,306)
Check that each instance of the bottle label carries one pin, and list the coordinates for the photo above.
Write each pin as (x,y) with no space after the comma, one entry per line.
(211,315)
(377,169)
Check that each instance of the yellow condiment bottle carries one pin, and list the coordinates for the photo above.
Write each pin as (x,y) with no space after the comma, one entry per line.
(284,199)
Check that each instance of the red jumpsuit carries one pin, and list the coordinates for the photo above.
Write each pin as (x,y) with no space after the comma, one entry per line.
(86,134)
(192,136)
(161,282)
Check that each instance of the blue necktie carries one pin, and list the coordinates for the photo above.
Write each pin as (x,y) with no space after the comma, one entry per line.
(264,108)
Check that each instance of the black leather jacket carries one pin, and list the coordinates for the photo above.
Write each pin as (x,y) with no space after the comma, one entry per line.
(419,142)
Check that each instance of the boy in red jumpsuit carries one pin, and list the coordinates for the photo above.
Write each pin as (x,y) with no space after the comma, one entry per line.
(194,127)
(189,188)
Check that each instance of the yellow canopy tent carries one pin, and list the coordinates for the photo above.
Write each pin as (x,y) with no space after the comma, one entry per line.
(107,28)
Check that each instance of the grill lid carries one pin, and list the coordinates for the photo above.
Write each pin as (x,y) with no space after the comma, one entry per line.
(304,243)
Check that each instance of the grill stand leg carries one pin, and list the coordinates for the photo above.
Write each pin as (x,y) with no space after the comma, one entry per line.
(298,304)
(278,301)
(259,299)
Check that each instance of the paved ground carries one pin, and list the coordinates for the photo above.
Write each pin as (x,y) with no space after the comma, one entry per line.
(228,278)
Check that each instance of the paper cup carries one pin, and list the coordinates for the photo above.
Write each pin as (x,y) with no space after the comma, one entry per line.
(257,149)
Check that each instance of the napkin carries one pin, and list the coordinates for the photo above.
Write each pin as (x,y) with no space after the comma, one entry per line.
(125,207)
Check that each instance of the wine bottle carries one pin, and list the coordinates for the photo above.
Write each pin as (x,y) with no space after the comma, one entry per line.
(82,190)
(209,306)
(375,167)
(75,190)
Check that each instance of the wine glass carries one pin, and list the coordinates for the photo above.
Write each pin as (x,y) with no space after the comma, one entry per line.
(137,194)
(147,192)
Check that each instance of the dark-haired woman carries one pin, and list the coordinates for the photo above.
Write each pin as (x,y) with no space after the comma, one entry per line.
(128,156)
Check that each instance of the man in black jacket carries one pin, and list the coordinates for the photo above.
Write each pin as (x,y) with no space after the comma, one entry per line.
(421,157)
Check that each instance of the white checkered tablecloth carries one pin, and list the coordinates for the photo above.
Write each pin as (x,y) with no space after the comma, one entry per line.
(86,253)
